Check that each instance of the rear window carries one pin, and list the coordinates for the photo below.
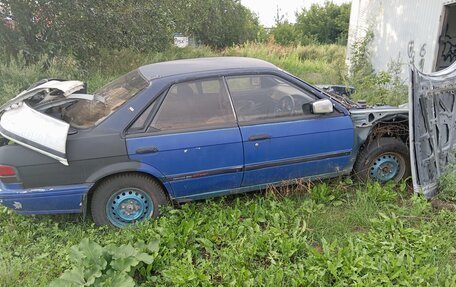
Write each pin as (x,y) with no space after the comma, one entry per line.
(85,114)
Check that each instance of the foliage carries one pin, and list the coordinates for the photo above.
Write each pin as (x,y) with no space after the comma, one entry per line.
(383,87)
(84,27)
(111,265)
(447,186)
(447,182)
(219,23)
(249,240)
(315,64)
(324,24)
(284,33)
(18,75)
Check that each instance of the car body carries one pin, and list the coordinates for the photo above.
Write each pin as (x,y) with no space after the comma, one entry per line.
(186,130)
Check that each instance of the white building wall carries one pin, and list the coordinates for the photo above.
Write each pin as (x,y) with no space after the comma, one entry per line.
(404,30)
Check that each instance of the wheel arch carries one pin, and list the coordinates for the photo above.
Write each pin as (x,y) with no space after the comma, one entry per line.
(396,127)
(113,170)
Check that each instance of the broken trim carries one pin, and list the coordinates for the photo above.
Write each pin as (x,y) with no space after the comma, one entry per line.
(66,87)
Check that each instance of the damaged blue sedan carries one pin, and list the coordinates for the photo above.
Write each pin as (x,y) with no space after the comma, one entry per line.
(186,130)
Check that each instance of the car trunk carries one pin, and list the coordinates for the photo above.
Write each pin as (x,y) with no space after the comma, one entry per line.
(38,131)
(432,126)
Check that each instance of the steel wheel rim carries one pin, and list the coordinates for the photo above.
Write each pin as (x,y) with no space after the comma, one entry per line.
(129,205)
(386,167)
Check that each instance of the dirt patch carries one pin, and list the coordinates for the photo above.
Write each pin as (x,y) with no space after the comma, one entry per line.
(443,204)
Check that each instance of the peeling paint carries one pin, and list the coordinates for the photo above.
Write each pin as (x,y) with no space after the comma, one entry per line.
(17,205)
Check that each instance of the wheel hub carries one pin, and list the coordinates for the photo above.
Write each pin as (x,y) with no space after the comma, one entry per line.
(128,206)
(385,168)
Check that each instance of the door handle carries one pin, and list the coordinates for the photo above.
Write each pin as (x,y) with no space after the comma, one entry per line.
(150,149)
(259,137)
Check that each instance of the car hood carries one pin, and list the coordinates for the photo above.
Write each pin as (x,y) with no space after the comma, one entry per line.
(26,126)
(432,126)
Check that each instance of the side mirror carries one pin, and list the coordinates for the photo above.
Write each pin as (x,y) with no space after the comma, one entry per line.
(322,107)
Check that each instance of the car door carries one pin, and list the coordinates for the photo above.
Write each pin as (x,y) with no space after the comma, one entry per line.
(432,125)
(282,138)
(193,140)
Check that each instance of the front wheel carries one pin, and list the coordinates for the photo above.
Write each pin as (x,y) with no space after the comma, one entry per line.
(126,199)
(383,160)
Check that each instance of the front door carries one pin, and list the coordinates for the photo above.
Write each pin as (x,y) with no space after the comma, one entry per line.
(282,138)
(193,140)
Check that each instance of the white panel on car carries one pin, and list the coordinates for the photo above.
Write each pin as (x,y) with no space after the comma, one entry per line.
(36,131)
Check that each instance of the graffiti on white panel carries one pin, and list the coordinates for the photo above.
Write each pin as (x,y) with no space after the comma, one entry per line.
(412,52)
(449,49)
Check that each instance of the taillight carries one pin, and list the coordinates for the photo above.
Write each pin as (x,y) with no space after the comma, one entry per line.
(7,171)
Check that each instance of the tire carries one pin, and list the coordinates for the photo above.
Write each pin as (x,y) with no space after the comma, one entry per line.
(126,199)
(383,160)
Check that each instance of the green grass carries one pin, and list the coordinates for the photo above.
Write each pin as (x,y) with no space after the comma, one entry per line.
(329,234)
(316,64)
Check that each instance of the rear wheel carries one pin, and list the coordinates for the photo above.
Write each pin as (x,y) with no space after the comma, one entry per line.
(126,199)
(383,160)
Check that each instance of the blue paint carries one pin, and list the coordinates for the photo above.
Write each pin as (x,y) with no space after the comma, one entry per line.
(297,139)
(255,187)
(47,200)
(11,186)
(193,152)
(197,163)
(385,168)
(129,205)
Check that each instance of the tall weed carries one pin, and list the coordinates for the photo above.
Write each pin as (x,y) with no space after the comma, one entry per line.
(17,75)
(382,87)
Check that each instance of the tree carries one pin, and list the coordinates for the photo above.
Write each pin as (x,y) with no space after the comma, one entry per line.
(217,23)
(84,27)
(284,32)
(325,24)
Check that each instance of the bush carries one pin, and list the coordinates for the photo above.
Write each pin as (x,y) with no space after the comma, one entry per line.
(384,87)
(18,75)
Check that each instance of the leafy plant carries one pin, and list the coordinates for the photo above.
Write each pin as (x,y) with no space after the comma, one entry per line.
(94,265)
(375,87)
(447,182)
(325,194)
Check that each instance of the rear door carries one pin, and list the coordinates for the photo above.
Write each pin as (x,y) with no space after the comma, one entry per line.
(193,139)
(282,138)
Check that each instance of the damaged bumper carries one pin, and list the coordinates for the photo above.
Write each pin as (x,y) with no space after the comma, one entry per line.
(49,200)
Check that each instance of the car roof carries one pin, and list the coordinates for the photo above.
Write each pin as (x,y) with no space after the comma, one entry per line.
(201,65)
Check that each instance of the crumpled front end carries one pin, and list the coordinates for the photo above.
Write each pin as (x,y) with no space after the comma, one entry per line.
(432,126)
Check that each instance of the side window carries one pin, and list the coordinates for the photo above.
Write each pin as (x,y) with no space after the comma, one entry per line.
(194,105)
(267,97)
(140,122)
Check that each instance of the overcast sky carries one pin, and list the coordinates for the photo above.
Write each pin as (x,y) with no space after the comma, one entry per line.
(267,9)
